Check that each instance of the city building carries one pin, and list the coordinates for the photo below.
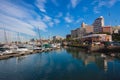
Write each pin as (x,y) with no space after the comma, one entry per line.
(116,29)
(57,38)
(97,37)
(107,29)
(73,33)
(68,36)
(97,27)
(83,25)
(88,28)
(83,30)
(77,33)
(98,24)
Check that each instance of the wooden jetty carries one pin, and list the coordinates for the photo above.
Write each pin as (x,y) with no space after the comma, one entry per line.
(17,54)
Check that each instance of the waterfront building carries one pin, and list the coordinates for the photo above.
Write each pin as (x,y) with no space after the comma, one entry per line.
(97,27)
(97,37)
(116,29)
(77,33)
(83,25)
(107,29)
(88,28)
(57,38)
(73,33)
(98,24)
(83,30)
(68,36)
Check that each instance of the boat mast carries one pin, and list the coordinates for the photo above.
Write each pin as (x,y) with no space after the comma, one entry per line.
(19,37)
(5,35)
(39,36)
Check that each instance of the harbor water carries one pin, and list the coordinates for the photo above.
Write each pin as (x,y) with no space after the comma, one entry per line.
(61,64)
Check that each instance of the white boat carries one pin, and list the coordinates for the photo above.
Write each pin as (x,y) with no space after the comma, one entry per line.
(36,48)
(25,48)
(22,49)
(53,45)
(5,51)
(8,51)
(58,45)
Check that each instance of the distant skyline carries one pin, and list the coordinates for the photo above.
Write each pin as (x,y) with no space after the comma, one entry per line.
(53,17)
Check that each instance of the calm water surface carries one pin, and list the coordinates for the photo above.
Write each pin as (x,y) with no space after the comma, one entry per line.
(63,64)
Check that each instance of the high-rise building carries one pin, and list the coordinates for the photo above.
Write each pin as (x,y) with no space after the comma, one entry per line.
(98,24)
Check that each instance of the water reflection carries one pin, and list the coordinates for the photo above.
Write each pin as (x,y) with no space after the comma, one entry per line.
(20,58)
(61,64)
(101,60)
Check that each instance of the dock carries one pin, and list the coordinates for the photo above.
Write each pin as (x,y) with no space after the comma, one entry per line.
(17,54)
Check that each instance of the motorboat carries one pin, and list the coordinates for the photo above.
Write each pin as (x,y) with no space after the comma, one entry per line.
(20,49)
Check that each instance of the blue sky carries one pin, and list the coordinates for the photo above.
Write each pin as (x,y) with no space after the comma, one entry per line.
(53,17)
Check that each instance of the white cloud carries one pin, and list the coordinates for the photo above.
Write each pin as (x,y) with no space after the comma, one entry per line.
(2,35)
(74,3)
(47,18)
(68,18)
(10,9)
(98,4)
(41,5)
(79,20)
(19,18)
(55,2)
(56,21)
(16,25)
(11,36)
(96,9)
(51,24)
(112,2)
(60,14)
(102,3)
(38,23)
